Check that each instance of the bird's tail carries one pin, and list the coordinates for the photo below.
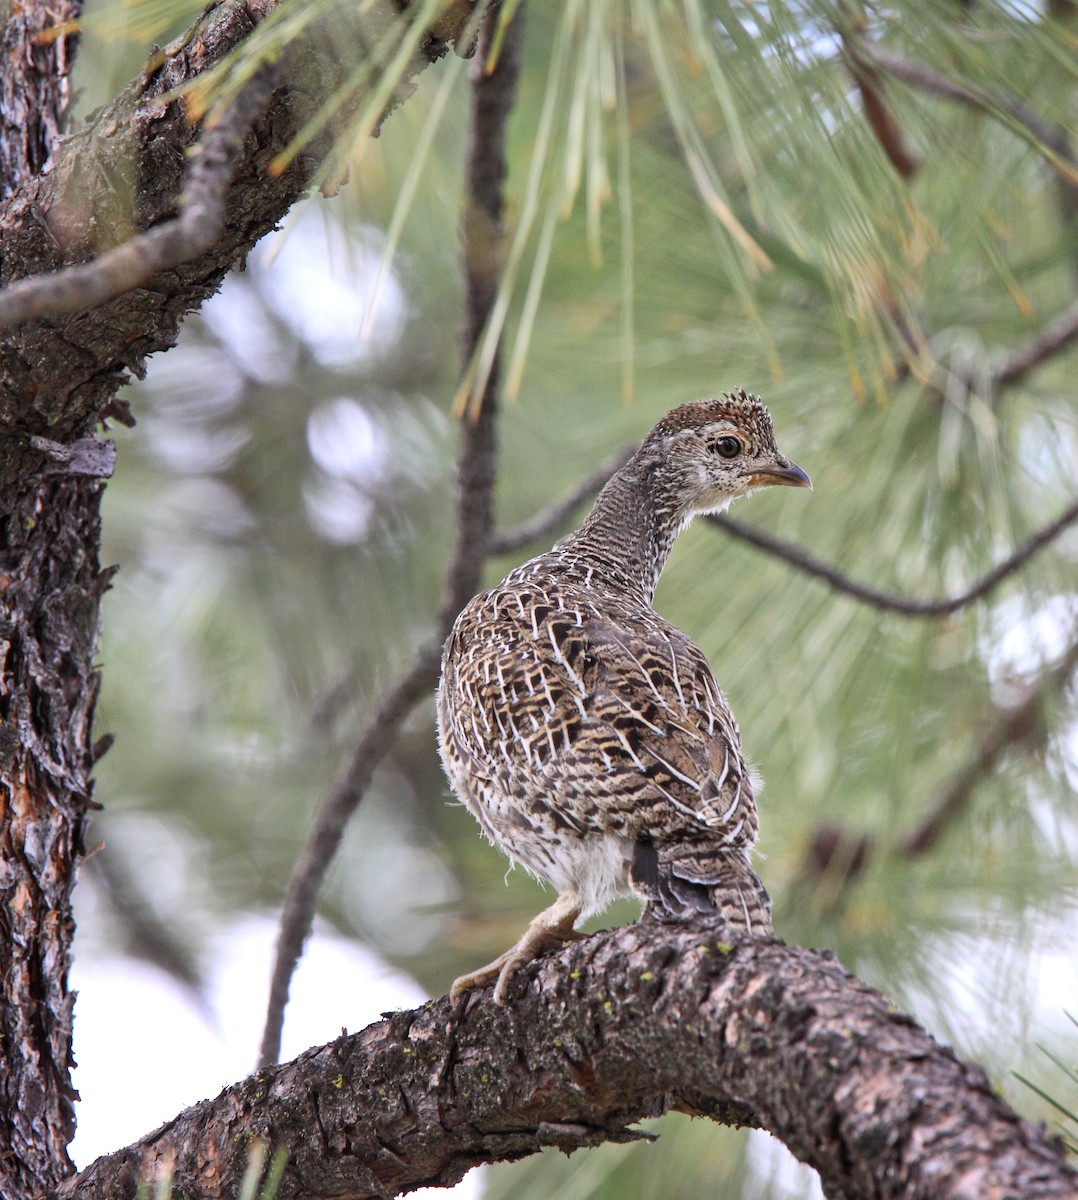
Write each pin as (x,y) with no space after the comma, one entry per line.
(687,883)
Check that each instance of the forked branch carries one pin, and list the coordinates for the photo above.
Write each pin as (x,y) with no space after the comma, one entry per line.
(193,232)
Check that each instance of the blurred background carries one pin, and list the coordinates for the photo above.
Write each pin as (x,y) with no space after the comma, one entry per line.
(702,196)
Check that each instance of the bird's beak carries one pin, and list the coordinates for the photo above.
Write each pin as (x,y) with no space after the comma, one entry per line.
(790,475)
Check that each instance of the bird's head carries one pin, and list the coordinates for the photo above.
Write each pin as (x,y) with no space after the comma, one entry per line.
(711,452)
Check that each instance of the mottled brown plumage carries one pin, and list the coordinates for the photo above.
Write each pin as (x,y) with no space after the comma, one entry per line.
(588,735)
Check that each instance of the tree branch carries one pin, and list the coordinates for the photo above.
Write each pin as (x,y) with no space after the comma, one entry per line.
(878,113)
(328,828)
(126,164)
(1019,726)
(549,519)
(493,96)
(378,736)
(841,854)
(599,1037)
(1057,335)
(802,560)
(199,225)
(542,524)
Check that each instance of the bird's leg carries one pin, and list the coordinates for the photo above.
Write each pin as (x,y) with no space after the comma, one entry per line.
(552,928)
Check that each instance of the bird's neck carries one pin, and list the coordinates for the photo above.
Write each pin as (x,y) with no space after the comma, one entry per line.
(629,533)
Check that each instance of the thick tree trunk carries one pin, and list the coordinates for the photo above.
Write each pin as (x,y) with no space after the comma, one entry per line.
(622,1025)
(49,591)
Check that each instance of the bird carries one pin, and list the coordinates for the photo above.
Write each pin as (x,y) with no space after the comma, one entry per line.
(588,735)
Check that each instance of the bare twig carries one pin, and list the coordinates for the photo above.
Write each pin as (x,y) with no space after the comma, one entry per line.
(889,601)
(195,230)
(1057,335)
(493,96)
(551,518)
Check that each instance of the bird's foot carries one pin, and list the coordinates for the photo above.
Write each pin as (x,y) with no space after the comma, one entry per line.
(481,977)
(550,930)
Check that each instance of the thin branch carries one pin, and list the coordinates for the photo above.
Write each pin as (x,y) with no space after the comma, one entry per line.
(541,525)
(199,225)
(483,238)
(866,60)
(802,560)
(332,818)
(1049,139)
(1057,335)
(1021,725)
(493,100)
(335,699)
(618,1026)
(553,517)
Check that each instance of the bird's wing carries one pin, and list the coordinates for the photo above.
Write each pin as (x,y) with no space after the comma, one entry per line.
(621,724)
(656,702)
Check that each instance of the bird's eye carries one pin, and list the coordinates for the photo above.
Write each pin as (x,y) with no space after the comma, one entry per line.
(727,447)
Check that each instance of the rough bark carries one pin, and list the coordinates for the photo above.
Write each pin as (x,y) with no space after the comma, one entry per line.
(37,45)
(619,1026)
(50,589)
